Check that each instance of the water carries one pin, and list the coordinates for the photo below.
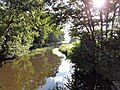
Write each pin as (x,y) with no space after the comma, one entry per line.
(64,72)
(40,72)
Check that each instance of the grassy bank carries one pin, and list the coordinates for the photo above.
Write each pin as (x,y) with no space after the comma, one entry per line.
(66,49)
(29,54)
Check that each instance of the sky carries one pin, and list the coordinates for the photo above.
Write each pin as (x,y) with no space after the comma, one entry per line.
(66,31)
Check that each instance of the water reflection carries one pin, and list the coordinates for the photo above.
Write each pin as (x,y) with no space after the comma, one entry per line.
(60,78)
(25,72)
(89,80)
(64,71)
(28,73)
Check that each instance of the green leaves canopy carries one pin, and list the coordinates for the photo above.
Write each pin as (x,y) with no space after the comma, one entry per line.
(98,32)
(20,22)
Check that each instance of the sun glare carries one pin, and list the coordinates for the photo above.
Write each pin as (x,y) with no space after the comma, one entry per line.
(98,3)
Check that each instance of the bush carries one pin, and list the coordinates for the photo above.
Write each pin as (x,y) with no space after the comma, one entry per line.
(66,49)
(15,44)
(101,55)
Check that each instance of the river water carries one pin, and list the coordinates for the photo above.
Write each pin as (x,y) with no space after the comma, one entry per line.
(64,72)
(39,72)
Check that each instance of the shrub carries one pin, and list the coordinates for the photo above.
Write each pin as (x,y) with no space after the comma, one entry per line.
(66,49)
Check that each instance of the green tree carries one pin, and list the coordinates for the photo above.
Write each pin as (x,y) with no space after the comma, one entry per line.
(47,26)
(97,30)
(16,29)
(20,22)
(52,38)
(99,46)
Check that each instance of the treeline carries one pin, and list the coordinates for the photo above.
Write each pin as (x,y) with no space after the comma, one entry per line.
(24,22)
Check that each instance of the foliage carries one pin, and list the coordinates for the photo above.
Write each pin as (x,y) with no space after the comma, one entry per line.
(21,22)
(99,41)
(16,33)
(105,59)
(45,27)
(40,51)
(53,38)
(85,17)
(66,49)
(75,43)
(92,80)
(98,31)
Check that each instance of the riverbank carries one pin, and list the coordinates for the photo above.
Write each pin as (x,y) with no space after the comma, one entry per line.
(28,54)
(66,49)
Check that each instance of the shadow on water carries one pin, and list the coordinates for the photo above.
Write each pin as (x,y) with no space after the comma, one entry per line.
(82,80)
(28,73)
(0,63)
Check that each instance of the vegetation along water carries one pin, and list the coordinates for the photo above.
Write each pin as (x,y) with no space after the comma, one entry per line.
(31,29)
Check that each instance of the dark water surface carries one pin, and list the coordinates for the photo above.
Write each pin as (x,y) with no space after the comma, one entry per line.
(40,72)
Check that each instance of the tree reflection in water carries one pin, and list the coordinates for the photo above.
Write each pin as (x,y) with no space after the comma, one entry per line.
(28,73)
(82,80)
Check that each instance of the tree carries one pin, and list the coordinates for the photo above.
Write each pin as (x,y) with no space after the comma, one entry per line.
(99,48)
(52,38)
(16,32)
(20,22)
